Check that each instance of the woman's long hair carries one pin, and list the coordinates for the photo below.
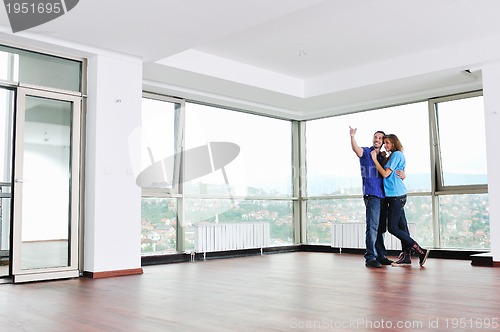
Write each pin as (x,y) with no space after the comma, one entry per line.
(396,143)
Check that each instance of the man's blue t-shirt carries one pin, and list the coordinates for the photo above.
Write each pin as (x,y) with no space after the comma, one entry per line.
(393,185)
(371,178)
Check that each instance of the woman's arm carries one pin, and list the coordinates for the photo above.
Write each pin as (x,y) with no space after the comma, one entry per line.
(384,172)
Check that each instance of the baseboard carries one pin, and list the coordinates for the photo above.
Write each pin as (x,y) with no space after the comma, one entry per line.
(186,257)
(246,252)
(319,248)
(165,259)
(483,259)
(111,274)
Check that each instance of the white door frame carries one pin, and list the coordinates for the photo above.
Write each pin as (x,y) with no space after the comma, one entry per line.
(72,268)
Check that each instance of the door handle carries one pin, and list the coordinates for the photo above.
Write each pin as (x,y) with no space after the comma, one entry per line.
(18,180)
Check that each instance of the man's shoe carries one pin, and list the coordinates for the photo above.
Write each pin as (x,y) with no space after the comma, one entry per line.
(373,263)
(403,260)
(385,261)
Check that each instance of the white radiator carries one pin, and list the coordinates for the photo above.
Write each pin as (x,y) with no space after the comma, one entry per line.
(220,237)
(352,235)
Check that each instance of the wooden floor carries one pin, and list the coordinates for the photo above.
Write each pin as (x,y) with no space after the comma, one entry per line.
(278,292)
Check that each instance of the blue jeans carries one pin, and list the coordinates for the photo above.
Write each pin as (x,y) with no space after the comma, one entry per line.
(376,226)
(398,226)
(382,228)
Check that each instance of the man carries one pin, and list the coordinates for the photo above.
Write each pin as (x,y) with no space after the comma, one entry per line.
(373,196)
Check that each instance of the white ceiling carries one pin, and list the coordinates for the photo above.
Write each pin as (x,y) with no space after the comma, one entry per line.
(290,58)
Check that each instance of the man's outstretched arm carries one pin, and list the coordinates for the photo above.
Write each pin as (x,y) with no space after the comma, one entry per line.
(354,145)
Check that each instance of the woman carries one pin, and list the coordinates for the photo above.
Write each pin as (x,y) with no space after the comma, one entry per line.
(395,193)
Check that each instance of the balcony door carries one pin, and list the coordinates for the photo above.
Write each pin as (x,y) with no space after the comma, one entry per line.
(7,102)
(46,186)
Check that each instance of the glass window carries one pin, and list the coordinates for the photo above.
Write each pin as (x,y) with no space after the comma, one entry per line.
(7,99)
(233,162)
(462,143)
(332,166)
(418,211)
(158,225)
(322,213)
(230,153)
(40,69)
(9,66)
(158,144)
(278,214)
(158,176)
(464,221)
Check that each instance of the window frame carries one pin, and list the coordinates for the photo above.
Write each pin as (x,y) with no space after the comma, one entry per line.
(438,185)
(300,198)
(176,189)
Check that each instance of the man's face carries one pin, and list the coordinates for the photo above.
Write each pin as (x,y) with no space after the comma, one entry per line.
(378,140)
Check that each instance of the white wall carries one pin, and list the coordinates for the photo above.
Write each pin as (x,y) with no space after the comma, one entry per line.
(112,199)
(491,93)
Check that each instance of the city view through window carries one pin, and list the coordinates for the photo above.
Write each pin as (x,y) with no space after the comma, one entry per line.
(257,185)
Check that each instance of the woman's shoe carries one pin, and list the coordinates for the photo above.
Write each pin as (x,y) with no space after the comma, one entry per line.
(421,252)
(403,259)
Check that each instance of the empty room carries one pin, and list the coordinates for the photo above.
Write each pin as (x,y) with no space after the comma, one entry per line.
(249,166)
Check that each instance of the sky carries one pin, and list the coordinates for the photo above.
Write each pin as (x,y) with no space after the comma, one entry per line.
(265,143)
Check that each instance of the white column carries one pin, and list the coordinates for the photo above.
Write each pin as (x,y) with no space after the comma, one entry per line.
(112,199)
(491,93)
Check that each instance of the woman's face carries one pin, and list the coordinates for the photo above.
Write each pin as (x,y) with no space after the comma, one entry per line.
(388,144)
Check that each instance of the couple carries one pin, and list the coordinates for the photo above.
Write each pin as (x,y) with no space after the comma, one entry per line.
(384,195)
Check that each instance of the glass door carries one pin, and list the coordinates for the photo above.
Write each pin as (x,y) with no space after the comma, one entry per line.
(7,98)
(46,186)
